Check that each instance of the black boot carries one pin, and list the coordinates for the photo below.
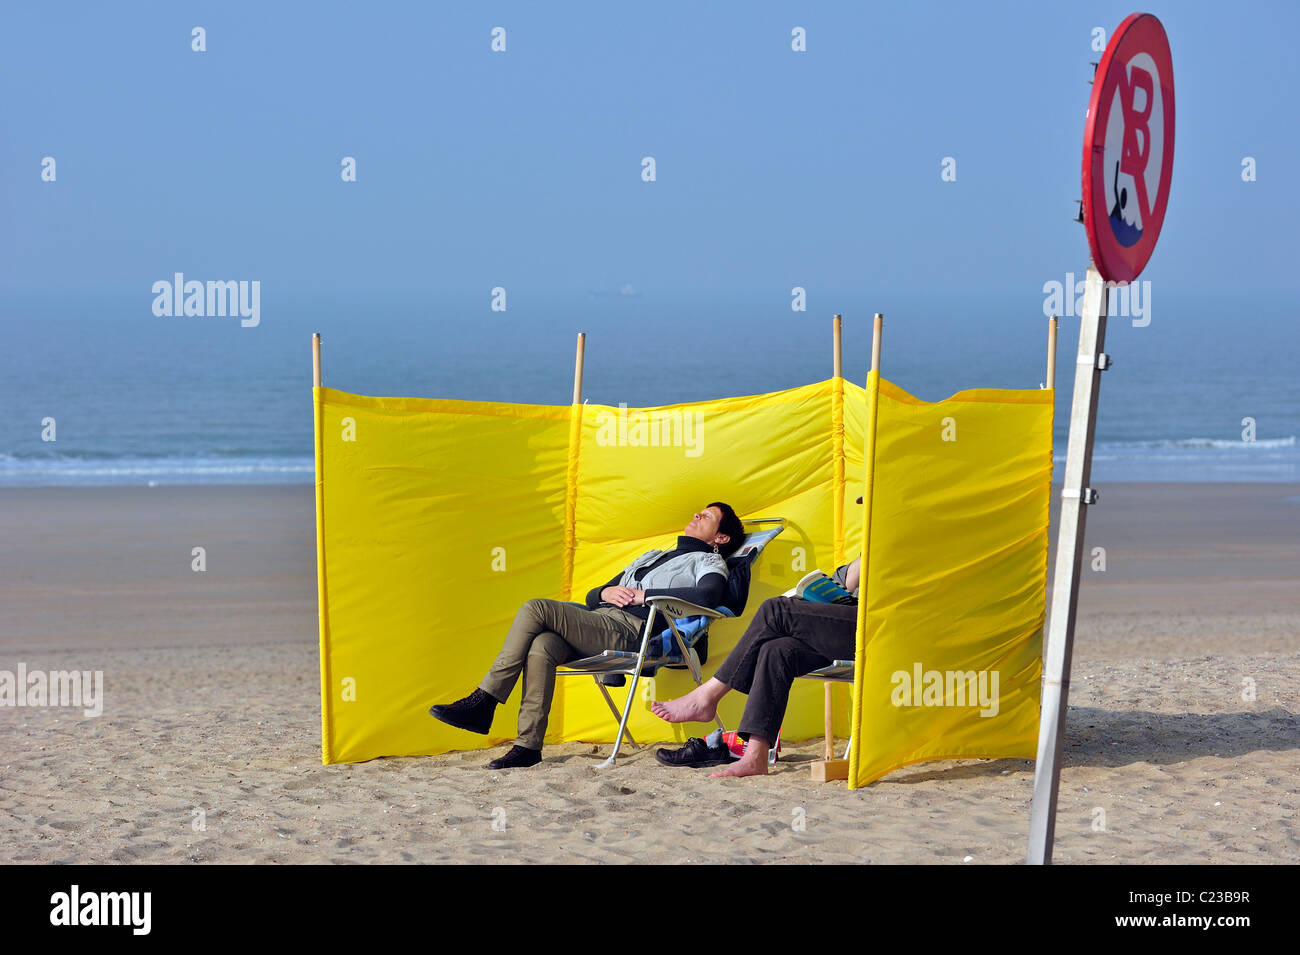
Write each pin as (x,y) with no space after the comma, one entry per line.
(519,756)
(473,713)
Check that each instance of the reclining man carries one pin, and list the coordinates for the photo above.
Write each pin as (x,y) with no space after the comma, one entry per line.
(789,636)
(547,633)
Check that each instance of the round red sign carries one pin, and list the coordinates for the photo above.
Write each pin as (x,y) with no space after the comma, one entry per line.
(1128,148)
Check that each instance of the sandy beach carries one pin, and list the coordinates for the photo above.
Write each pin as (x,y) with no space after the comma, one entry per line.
(208,747)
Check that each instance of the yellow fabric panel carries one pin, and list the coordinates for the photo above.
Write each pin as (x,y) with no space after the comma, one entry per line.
(955,583)
(416,507)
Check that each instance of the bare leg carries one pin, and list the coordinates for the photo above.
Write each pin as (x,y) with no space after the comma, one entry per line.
(753,763)
(698,706)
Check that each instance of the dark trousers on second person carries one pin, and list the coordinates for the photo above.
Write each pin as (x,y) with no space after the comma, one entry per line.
(788,637)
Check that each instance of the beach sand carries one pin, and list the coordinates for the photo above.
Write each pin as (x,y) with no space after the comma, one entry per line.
(208,749)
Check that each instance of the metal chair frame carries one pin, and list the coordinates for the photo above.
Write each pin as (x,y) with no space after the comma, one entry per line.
(636,665)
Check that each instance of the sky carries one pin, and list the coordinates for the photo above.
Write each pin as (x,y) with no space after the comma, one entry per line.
(522,169)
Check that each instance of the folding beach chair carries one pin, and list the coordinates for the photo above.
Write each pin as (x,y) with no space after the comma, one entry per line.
(679,646)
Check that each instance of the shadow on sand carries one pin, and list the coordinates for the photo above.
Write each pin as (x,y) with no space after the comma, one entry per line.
(1110,738)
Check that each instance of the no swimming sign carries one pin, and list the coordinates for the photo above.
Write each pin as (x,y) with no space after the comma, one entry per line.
(1128,148)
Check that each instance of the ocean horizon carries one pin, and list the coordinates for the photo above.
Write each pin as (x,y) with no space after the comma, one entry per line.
(1205,394)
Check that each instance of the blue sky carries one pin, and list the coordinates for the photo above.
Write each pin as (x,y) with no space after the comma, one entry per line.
(523,169)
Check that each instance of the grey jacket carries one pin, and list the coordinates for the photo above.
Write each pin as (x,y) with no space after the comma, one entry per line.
(691,571)
(684,570)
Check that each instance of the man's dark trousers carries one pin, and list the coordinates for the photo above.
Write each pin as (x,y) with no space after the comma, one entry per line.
(789,636)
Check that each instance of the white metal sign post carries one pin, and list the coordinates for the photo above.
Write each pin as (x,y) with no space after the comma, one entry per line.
(1128,159)
(1075,498)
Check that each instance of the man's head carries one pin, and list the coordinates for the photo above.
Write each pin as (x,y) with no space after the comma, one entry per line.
(718,524)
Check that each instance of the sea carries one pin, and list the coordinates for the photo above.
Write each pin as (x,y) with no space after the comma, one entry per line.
(97,390)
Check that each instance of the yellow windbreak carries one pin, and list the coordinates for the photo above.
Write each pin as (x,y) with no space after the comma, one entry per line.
(437,519)
(950,625)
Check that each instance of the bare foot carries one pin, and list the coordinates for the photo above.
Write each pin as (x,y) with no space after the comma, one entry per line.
(753,763)
(685,710)
(698,706)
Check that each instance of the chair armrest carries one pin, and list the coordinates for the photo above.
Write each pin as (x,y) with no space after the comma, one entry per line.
(673,607)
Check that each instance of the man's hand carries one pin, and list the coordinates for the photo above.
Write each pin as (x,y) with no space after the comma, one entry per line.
(622,596)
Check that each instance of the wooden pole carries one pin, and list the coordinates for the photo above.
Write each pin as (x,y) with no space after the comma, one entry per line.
(1075,494)
(837,434)
(877,326)
(828,768)
(828,751)
(837,337)
(837,325)
(577,368)
(570,497)
(322,606)
(1051,351)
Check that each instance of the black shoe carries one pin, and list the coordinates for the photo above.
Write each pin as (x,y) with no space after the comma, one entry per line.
(518,757)
(694,754)
(473,713)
